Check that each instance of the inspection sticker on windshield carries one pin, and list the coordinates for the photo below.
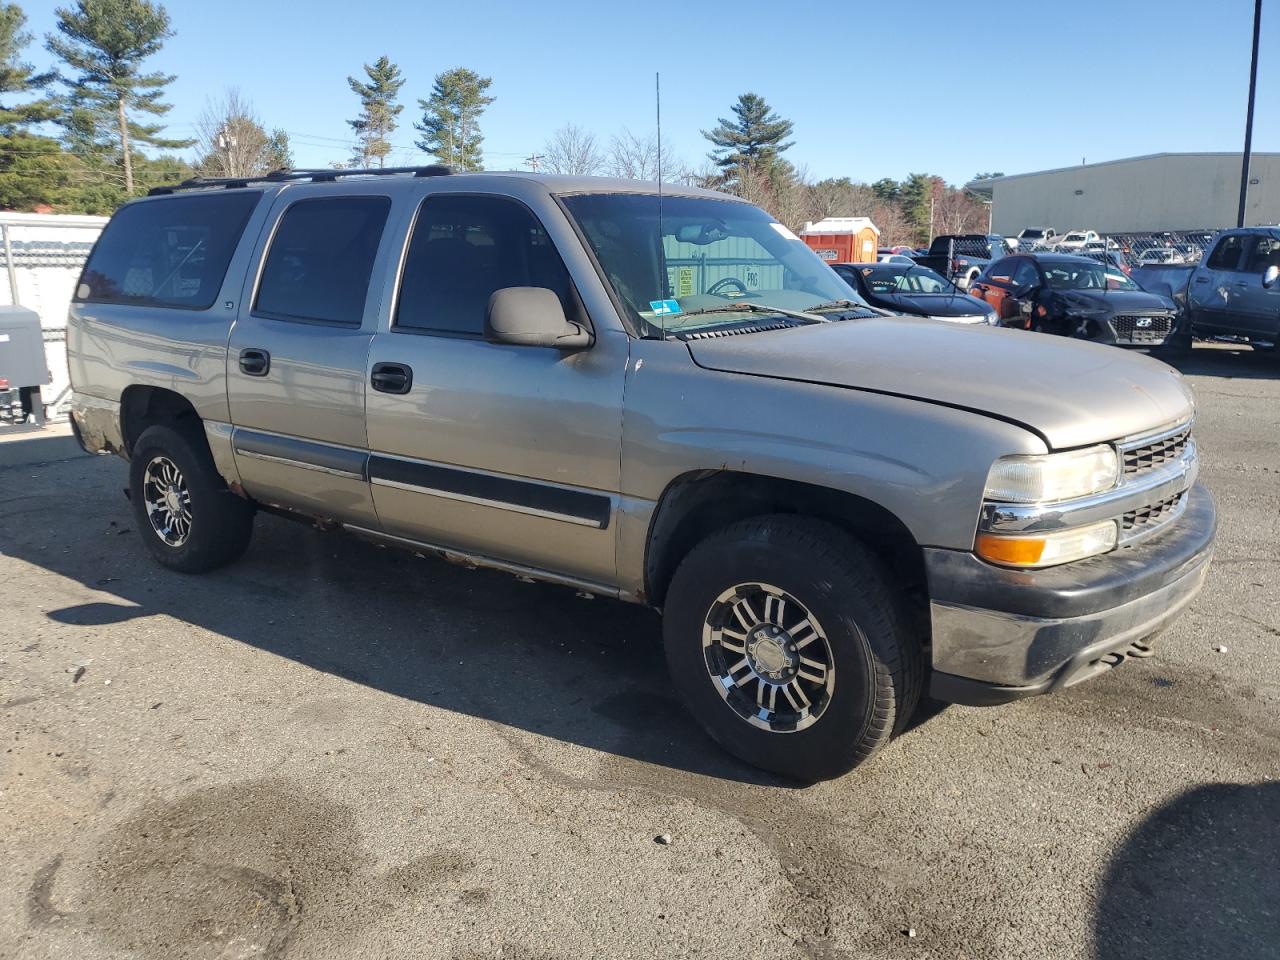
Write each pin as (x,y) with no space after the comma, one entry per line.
(664,308)
(783,231)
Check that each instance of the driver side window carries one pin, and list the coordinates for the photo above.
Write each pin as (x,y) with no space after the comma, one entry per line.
(1026,275)
(1265,253)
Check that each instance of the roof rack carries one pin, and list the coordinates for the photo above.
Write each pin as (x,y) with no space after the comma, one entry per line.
(317,175)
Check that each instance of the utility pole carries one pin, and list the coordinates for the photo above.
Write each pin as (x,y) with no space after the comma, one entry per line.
(533,160)
(1248,123)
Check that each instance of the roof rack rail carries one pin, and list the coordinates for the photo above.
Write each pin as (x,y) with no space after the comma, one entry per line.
(315,175)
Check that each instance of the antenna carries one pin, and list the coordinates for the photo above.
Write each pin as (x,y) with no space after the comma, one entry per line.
(657,100)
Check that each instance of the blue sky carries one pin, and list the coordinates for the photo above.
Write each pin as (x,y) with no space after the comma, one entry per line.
(875,90)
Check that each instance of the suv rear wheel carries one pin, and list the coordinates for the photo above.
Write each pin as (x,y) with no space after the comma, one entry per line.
(189,520)
(786,643)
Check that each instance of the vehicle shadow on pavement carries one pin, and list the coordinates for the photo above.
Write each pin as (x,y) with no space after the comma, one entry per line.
(1189,881)
(1215,361)
(535,657)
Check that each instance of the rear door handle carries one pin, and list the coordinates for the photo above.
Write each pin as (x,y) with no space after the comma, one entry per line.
(1202,279)
(391,377)
(255,363)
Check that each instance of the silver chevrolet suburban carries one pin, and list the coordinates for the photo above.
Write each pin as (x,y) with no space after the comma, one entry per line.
(664,397)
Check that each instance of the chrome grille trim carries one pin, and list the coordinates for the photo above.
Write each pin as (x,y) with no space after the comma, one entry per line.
(1150,451)
(1134,499)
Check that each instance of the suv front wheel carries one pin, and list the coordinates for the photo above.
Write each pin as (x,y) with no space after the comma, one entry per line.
(187,517)
(786,642)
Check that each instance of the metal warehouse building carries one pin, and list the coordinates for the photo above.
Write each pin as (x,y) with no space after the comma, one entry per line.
(1162,191)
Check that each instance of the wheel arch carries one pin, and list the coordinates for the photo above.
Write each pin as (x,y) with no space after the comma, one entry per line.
(143,406)
(696,504)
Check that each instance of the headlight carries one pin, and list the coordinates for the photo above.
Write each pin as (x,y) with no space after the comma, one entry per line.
(1053,476)
(1047,549)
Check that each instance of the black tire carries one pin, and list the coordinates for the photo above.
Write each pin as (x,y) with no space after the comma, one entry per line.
(846,589)
(220,524)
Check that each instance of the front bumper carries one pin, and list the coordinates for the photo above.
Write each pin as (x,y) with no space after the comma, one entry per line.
(1000,634)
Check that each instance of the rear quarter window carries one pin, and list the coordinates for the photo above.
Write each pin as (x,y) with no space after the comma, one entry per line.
(171,252)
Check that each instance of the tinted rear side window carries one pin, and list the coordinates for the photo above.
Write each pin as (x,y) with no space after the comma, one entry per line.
(463,249)
(167,253)
(321,258)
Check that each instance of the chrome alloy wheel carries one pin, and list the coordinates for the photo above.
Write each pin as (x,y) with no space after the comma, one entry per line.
(768,657)
(168,501)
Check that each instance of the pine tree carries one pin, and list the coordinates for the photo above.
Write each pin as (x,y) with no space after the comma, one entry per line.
(378,111)
(450,118)
(33,170)
(106,42)
(753,139)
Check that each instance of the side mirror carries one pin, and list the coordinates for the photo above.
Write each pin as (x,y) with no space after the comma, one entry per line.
(532,317)
(1270,276)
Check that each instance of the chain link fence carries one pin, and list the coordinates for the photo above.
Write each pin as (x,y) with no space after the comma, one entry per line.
(1129,250)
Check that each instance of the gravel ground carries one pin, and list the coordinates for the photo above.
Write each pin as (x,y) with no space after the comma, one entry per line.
(335,750)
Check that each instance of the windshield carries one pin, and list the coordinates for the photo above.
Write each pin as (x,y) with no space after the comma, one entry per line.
(1031,234)
(1086,276)
(707,254)
(895,278)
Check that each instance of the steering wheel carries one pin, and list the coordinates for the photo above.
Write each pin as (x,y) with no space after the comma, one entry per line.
(717,288)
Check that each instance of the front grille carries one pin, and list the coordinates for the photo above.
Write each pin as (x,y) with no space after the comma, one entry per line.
(1142,329)
(1149,456)
(1150,516)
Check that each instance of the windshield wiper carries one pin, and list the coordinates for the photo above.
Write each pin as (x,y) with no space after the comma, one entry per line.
(852,304)
(834,304)
(756,308)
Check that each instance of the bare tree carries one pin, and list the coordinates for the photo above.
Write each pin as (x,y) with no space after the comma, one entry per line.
(895,228)
(572,150)
(632,157)
(954,211)
(232,141)
(636,158)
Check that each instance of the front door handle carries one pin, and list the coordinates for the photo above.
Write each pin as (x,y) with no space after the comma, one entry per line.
(255,363)
(391,377)
(1202,279)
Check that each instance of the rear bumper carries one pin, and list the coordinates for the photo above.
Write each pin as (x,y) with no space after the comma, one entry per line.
(96,424)
(1000,635)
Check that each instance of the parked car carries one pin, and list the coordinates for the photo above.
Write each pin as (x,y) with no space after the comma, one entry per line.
(1076,297)
(1154,255)
(1109,257)
(961,257)
(1074,240)
(894,258)
(1233,292)
(1031,237)
(541,375)
(914,290)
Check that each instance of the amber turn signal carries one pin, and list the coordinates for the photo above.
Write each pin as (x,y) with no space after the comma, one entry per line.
(1047,550)
(1014,551)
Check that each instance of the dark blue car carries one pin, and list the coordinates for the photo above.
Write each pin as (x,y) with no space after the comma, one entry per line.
(914,290)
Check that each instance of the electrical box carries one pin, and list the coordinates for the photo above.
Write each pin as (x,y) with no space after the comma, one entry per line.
(22,360)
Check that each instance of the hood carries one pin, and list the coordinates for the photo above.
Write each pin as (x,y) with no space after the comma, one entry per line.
(936,304)
(1116,301)
(1070,392)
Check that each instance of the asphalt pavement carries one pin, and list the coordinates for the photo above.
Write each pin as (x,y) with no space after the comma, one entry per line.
(330,749)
